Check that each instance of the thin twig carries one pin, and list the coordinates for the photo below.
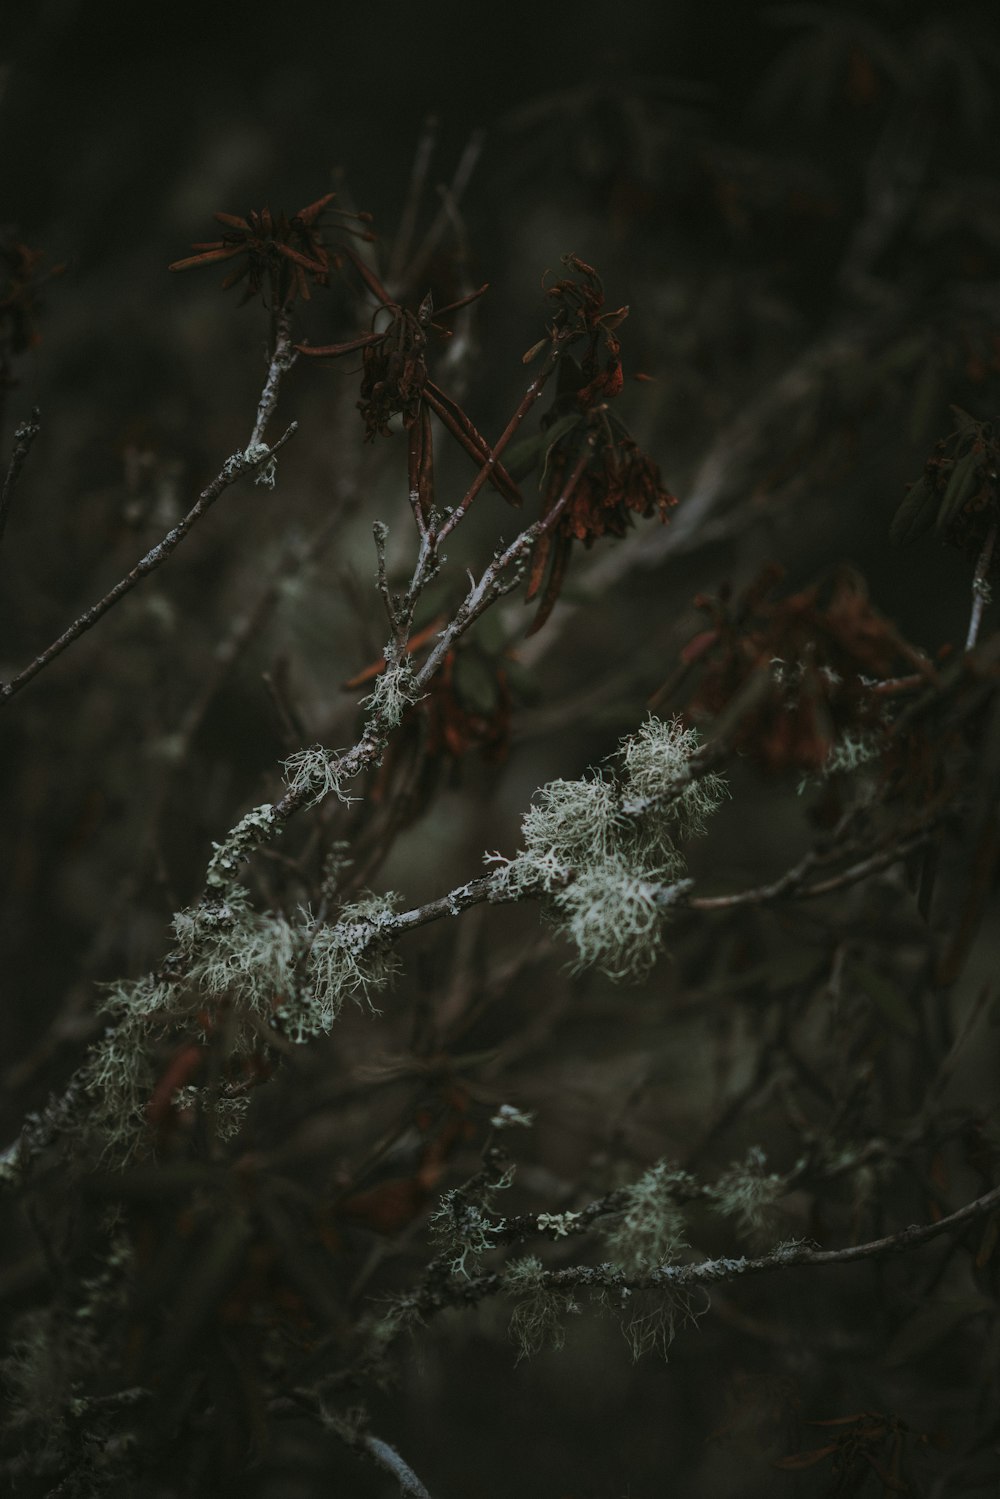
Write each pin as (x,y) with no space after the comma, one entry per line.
(440,1290)
(491,889)
(486,888)
(414,193)
(460,181)
(388,1458)
(256,455)
(281,361)
(24,436)
(234,468)
(492,585)
(980,587)
(793,881)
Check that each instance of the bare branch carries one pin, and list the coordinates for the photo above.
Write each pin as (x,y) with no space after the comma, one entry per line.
(282,359)
(234,468)
(388,1458)
(793,881)
(24,436)
(981,595)
(439,1290)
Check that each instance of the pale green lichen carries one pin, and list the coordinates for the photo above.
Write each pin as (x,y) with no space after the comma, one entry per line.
(538,1319)
(463,1231)
(118,1075)
(650,1320)
(313,774)
(252,965)
(346,959)
(571,825)
(232,951)
(462,1223)
(509,1117)
(394,691)
(603,854)
(118,1078)
(650,1229)
(228,1110)
(656,766)
(267,473)
(614,917)
(558,1225)
(853,748)
(143,997)
(747,1192)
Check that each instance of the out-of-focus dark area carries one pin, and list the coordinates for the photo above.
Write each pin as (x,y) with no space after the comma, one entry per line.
(800,204)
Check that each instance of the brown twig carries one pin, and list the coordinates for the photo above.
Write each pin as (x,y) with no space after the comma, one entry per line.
(472,440)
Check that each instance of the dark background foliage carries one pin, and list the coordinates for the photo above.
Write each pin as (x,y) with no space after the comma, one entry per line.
(800,204)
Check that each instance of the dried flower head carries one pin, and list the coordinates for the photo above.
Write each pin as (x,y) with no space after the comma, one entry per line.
(617,482)
(581,312)
(802,663)
(278,255)
(958,493)
(393,355)
(590,467)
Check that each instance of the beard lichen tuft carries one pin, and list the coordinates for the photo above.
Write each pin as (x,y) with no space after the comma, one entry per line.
(602,851)
(537,1320)
(748,1193)
(650,1230)
(313,774)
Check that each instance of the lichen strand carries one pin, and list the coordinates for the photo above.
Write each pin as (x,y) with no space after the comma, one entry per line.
(748,1193)
(313,774)
(650,1230)
(347,959)
(231,951)
(656,765)
(538,1318)
(118,1078)
(608,874)
(613,916)
(267,474)
(463,1224)
(395,690)
(254,964)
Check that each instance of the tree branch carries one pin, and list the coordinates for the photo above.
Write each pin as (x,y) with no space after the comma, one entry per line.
(253,459)
(24,436)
